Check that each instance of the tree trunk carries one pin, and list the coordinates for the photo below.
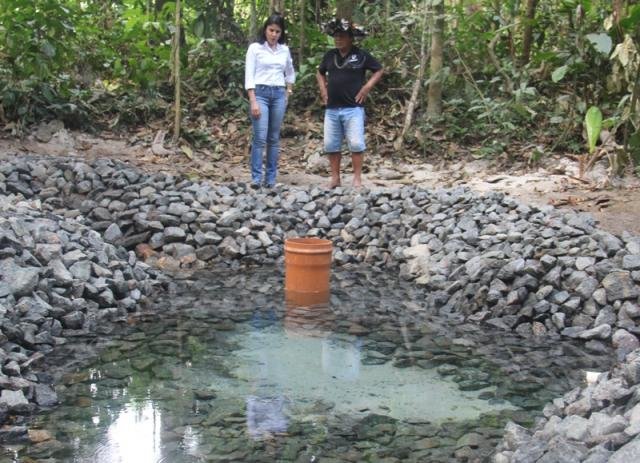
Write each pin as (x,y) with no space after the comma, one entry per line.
(527,36)
(176,75)
(253,22)
(344,9)
(276,6)
(417,84)
(434,95)
(303,17)
(159,4)
(617,10)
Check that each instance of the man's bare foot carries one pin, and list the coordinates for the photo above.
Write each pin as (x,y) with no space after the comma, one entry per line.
(333,185)
(357,183)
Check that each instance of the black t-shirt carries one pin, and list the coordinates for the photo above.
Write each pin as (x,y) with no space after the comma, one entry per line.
(346,76)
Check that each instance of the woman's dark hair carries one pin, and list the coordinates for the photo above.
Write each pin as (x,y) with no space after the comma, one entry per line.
(278,20)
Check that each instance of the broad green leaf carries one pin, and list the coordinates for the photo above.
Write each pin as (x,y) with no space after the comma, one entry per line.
(601,42)
(199,27)
(48,49)
(632,21)
(593,123)
(521,110)
(47,94)
(559,73)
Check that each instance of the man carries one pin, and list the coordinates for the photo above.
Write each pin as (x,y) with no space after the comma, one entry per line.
(343,90)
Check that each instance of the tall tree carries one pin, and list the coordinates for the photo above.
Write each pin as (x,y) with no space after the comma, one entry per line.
(527,36)
(176,73)
(303,17)
(159,4)
(417,84)
(253,21)
(434,94)
(617,10)
(344,8)
(276,6)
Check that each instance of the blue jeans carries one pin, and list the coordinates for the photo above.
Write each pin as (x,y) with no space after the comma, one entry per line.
(266,132)
(341,124)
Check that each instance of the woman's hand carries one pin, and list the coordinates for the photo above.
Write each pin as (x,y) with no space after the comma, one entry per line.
(255,110)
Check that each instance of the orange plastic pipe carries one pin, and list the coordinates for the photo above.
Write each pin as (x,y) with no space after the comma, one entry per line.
(307,265)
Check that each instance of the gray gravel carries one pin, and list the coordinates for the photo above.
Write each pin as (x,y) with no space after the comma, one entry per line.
(72,231)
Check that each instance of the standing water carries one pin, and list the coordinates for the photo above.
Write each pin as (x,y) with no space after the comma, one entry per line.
(222,370)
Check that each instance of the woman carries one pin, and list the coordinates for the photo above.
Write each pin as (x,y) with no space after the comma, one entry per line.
(268,79)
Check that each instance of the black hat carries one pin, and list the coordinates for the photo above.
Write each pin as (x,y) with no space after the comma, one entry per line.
(343,25)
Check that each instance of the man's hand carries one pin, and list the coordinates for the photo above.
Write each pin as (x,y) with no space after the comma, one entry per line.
(366,88)
(324,97)
(362,94)
(322,87)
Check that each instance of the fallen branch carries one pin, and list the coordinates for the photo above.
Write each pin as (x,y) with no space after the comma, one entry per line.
(157,147)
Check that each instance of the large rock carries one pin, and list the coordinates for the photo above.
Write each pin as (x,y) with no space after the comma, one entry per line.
(619,286)
(20,281)
(15,401)
(628,453)
(45,396)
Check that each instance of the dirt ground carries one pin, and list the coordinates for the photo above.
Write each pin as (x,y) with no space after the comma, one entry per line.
(613,202)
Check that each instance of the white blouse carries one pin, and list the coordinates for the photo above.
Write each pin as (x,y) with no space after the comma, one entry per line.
(265,66)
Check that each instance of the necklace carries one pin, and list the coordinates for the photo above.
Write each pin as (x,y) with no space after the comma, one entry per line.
(351,57)
(340,66)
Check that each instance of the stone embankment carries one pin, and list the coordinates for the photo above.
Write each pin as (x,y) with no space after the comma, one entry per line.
(69,230)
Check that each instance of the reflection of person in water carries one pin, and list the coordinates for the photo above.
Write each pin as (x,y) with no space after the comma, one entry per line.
(306,362)
(262,318)
(265,408)
(266,415)
(310,316)
(341,359)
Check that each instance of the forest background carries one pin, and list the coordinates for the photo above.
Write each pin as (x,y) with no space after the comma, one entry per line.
(500,78)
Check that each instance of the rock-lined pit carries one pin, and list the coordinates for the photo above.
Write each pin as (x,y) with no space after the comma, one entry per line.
(195,370)
(488,259)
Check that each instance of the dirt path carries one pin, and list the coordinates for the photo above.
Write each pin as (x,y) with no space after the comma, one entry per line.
(616,208)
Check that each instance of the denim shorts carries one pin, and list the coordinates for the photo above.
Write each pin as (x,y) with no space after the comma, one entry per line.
(344,124)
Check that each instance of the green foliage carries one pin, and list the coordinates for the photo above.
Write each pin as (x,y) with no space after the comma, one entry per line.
(634,148)
(35,37)
(559,73)
(108,64)
(215,69)
(601,42)
(593,124)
